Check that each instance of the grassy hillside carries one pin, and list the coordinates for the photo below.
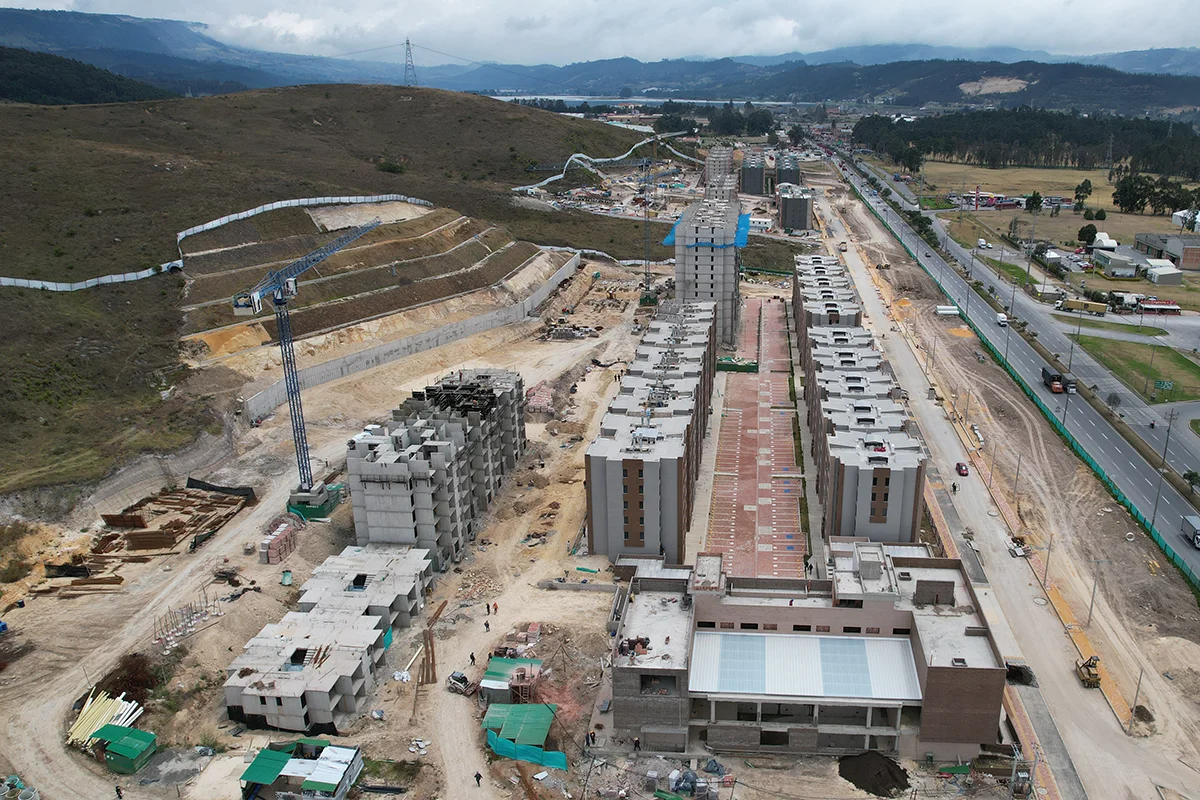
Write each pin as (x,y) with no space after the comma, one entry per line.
(93,190)
(28,77)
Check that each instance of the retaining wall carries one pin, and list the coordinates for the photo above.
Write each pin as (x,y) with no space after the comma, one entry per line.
(275,395)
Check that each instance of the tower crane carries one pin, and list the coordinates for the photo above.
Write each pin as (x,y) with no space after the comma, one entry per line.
(278,287)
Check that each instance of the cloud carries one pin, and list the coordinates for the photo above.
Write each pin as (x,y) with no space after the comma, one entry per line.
(563,31)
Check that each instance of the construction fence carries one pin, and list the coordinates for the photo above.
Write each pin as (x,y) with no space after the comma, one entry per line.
(1058,426)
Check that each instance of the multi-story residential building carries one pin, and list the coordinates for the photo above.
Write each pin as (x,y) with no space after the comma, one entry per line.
(706,240)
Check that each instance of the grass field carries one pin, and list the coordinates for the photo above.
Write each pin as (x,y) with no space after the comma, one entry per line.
(1072,320)
(92,190)
(1140,365)
(1062,230)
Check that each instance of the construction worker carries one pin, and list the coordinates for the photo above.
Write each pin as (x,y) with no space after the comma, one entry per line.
(120,794)
(478,778)
(487,626)
(487,609)
(472,659)
(637,744)
(495,608)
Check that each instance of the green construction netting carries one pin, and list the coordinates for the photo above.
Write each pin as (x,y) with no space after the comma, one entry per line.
(523,724)
(525,752)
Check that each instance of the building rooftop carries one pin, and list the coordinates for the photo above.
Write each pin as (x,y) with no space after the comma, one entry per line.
(836,385)
(791,189)
(712,214)
(834,336)
(365,577)
(875,449)
(804,666)
(654,567)
(661,618)
(952,628)
(813,293)
(640,438)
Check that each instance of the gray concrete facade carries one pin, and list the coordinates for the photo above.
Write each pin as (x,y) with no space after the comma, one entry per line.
(706,263)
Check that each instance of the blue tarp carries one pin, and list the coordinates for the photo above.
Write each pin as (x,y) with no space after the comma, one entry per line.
(526,752)
(739,238)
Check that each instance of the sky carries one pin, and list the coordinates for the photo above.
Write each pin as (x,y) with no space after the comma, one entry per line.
(563,31)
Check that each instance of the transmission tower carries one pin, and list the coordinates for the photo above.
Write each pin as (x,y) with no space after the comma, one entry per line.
(410,69)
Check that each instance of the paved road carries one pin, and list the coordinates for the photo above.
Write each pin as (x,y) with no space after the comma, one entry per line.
(1140,482)
(1081,739)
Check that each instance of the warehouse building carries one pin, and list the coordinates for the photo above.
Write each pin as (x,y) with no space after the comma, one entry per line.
(426,478)
(706,240)
(890,653)
(641,471)
(794,206)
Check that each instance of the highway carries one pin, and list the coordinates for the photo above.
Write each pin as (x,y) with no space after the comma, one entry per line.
(1154,497)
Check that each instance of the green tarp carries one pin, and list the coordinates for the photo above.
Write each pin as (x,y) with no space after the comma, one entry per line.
(265,767)
(523,724)
(501,669)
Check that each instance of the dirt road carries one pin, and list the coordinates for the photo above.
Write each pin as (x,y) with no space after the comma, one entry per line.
(77,641)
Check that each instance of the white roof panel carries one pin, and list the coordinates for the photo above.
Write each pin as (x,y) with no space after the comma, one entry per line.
(852,667)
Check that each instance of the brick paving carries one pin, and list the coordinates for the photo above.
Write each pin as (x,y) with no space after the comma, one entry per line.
(755,516)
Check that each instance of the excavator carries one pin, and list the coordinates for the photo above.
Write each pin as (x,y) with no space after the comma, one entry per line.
(1089,672)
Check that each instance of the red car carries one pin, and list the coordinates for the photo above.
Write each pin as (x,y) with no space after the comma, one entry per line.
(962,469)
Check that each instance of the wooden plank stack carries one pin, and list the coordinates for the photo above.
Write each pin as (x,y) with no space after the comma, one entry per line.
(172,516)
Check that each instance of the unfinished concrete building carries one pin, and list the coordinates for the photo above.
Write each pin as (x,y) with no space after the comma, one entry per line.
(794,206)
(754,174)
(787,170)
(718,163)
(314,669)
(641,471)
(891,653)
(428,477)
(706,239)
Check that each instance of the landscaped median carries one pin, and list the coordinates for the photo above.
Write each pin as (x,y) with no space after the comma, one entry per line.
(1157,373)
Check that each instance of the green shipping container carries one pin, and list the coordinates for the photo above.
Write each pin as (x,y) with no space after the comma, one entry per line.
(127,749)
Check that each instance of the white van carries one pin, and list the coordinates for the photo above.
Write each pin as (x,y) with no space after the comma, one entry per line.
(1002,320)
(983,244)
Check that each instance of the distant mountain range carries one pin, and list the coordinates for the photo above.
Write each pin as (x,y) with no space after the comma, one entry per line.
(183,58)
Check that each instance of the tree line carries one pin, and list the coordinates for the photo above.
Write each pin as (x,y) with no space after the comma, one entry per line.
(723,120)
(29,77)
(1036,138)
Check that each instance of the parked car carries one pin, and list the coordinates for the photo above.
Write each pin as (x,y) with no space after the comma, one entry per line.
(962,469)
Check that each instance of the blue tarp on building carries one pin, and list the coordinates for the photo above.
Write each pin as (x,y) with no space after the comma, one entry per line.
(739,239)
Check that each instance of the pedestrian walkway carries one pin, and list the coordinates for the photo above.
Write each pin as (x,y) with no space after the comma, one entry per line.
(755,517)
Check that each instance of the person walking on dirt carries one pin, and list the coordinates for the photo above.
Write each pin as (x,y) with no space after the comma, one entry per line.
(495,608)
(487,626)
(120,794)
(487,609)
(472,659)
(478,779)
(954,488)
(637,744)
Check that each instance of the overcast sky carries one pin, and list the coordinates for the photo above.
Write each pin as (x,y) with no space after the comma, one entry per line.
(562,31)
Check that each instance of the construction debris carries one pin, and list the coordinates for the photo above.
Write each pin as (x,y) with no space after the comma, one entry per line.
(100,710)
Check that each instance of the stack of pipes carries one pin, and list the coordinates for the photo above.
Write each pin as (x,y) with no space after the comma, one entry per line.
(99,710)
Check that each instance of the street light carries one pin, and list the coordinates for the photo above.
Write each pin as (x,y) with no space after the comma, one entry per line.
(1095,583)
(1162,469)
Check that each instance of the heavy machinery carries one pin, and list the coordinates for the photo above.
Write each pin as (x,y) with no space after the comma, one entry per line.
(458,683)
(1088,671)
(279,287)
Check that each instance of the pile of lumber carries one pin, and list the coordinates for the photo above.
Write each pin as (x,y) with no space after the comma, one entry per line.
(161,521)
(99,710)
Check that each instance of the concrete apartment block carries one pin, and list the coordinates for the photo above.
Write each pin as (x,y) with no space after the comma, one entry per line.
(794,207)
(718,164)
(787,171)
(410,485)
(723,189)
(428,478)
(307,672)
(641,470)
(314,669)
(889,654)
(754,173)
(388,584)
(825,313)
(872,485)
(706,268)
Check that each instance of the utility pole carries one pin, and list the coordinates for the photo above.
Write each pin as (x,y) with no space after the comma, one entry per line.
(1162,468)
(1017,480)
(1133,707)
(1095,583)
(992,471)
(1049,553)
(1153,351)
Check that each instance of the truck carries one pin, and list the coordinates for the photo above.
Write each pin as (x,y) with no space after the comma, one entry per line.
(1068,383)
(1091,307)
(1191,531)
(1053,380)
(1002,319)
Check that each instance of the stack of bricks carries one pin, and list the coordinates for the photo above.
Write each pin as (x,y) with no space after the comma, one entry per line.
(278,545)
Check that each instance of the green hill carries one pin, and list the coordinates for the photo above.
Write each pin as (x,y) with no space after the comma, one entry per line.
(44,79)
(93,190)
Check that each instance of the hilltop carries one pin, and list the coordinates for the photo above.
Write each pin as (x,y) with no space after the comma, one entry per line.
(94,190)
